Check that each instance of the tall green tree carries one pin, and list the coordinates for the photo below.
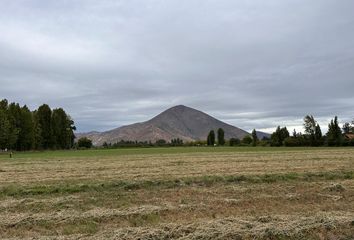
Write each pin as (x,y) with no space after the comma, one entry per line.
(4,129)
(26,130)
(313,132)
(211,138)
(318,136)
(278,137)
(59,128)
(70,127)
(14,117)
(8,124)
(334,134)
(255,139)
(62,129)
(318,132)
(22,129)
(44,117)
(310,125)
(37,132)
(3,104)
(221,137)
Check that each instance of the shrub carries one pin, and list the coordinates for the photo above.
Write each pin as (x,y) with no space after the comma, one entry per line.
(247,140)
(161,142)
(234,142)
(84,142)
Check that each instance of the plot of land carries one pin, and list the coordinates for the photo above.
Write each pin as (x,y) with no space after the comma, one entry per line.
(179,193)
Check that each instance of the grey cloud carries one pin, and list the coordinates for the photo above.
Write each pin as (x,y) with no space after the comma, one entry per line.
(251,63)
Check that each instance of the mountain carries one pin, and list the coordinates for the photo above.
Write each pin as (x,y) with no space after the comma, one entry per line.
(180,121)
(262,135)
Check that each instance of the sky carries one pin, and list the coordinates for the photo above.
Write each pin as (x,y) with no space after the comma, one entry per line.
(254,64)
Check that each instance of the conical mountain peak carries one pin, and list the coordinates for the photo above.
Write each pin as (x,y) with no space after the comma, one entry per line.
(180,121)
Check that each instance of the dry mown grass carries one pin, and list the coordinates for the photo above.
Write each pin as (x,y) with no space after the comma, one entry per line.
(226,195)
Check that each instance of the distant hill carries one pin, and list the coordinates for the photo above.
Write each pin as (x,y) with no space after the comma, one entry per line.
(262,135)
(177,122)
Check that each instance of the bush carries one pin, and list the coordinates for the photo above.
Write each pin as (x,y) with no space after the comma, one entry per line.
(348,142)
(292,142)
(234,142)
(264,143)
(161,142)
(176,142)
(299,141)
(84,142)
(247,140)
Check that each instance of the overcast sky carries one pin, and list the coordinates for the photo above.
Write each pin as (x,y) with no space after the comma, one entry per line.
(253,64)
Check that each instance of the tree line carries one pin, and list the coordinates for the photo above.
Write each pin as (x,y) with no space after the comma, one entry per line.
(219,139)
(22,129)
(336,136)
(313,136)
(126,144)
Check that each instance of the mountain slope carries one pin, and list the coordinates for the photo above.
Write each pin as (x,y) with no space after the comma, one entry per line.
(262,135)
(177,122)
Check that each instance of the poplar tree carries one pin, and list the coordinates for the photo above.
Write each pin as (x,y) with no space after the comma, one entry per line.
(4,130)
(211,138)
(44,115)
(334,134)
(254,137)
(221,137)
(26,130)
(21,129)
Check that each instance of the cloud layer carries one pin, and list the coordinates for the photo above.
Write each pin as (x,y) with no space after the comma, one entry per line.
(254,64)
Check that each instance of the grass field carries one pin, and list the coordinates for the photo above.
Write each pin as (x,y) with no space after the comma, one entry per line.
(179,193)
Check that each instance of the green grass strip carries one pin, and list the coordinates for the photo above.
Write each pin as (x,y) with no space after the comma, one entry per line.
(18,190)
